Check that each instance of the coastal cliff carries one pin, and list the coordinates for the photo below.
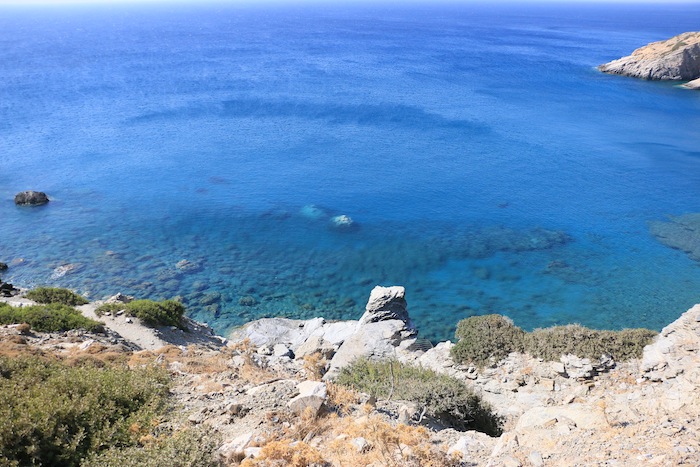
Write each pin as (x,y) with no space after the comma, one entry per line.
(260,397)
(677,58)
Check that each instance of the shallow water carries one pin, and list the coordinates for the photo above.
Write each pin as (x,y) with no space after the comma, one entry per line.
(488,165)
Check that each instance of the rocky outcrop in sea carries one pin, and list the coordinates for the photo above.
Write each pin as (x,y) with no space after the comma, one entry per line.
(31,198)
(677,58)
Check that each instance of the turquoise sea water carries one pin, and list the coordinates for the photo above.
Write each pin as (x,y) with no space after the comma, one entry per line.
(488,166)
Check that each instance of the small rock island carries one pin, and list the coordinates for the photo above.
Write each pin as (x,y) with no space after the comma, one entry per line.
(677,59)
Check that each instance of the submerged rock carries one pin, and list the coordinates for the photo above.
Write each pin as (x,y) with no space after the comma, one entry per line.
(342,222)
(681,233)
(64,269)
(3,267)
(31,198)
(677,58)
(311,211)
(185,265)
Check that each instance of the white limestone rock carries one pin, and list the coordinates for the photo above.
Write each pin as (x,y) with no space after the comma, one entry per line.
(311,394)
(386,303)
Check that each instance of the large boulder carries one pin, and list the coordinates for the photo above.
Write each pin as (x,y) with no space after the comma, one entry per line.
(301,337)
(583,416)
(384,304)
(312,394)
(384,331)
(8,290)
(31,198)
(677,58)
(376,341)
(273,331)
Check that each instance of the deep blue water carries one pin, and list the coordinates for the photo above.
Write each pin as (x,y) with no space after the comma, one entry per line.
(488,165)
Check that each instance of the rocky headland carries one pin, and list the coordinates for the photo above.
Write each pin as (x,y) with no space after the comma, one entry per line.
(676,59)
(268,390)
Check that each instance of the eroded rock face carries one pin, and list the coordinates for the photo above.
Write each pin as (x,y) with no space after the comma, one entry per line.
(675,351)
(31,198)
(677,58)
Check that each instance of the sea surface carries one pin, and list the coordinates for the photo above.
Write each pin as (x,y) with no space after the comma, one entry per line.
(201,150)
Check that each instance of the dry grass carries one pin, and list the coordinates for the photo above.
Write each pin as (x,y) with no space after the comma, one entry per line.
(331,438)
(315,366)
(286,453)
(342,399)
(384,444)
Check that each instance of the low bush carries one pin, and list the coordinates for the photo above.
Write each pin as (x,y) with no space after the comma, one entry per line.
(188,448)
(443,397)
(55,414)
(552,343)
(109,308)
(48,318)
(152,313)
(486,339)
(48,295)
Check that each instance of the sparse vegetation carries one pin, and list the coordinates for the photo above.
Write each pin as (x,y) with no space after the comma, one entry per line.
(48,318)
(52,413)
(152,313)
(48,295)
(442,397)
(678,45)
(490,338)
(486,339)
(187,448)
(552,343)
(284,452)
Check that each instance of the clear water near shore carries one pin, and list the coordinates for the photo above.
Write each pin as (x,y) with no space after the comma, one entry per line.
(489,167)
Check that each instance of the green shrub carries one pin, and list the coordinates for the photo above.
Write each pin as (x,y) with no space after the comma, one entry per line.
(442,396)
(489,338)
(55,414)
(552,343)
(190,448)
(48,318)
(54,295)
(486,339)
(109,308)
(165,313)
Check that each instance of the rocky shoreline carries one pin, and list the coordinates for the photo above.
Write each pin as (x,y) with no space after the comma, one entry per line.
(677,59)
(571,412)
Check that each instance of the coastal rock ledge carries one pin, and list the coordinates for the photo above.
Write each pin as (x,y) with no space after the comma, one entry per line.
(677,58)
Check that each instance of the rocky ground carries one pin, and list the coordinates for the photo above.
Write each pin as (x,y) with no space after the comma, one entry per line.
(677,58)
(266,382)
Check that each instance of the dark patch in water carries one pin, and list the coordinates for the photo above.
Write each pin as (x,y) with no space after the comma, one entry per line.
(380,115)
